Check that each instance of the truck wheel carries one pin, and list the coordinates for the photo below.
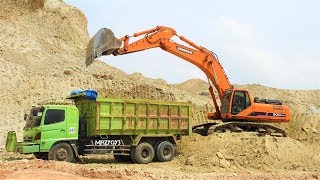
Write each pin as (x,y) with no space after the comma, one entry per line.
(165,151)
(143,153)
(155,149)
(132,155)
(122,158)
(61,152)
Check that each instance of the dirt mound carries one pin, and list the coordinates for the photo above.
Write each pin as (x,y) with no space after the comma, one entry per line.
(195,86)
(232,152)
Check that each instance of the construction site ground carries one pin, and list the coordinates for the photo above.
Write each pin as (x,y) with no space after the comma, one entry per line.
(42,52)
(223,156)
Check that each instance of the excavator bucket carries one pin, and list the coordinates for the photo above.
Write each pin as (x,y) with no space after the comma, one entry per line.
(102,43)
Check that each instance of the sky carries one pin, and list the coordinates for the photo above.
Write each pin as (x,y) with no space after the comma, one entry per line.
(268,42)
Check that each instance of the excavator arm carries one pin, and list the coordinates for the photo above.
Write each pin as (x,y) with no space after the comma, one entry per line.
(160,36)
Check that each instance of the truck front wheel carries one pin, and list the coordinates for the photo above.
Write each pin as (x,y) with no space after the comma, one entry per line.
(143,153)
(165,151)
(61,152)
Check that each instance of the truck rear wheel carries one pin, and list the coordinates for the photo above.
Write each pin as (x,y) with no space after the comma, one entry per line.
(155,149)
(61,152)
(165,151)
(143,153)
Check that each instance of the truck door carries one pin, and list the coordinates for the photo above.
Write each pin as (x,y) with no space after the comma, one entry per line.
(53,127)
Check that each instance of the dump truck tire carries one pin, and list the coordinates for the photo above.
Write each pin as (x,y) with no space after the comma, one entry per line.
(143,153)
(132,155)
(165,151)
(61,152)
(155,149)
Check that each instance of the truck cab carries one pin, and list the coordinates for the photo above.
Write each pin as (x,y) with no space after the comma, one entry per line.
(46,126)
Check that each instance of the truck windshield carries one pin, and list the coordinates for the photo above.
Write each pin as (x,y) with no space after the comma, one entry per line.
(34,118)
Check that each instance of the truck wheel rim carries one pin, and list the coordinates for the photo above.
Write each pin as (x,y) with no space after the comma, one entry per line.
(145,153)
(61,154)
(166,151)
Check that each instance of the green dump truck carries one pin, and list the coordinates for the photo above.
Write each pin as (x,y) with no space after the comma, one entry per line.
(131,130)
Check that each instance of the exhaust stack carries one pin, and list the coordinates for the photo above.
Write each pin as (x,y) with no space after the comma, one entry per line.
(102,43)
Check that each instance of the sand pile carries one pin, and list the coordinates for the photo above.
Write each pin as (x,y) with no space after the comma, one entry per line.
(232,152)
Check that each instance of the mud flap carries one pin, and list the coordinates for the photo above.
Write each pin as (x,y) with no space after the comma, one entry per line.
(11,143)
(102,43)
(76,154)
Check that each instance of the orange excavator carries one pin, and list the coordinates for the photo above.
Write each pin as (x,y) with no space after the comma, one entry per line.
(238,111)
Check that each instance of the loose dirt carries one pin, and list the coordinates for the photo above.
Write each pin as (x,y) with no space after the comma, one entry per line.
(42,50)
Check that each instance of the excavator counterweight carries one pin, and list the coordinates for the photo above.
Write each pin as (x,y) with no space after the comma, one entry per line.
(102,43)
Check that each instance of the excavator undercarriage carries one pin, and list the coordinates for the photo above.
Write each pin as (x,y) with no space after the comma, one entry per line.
(238,127)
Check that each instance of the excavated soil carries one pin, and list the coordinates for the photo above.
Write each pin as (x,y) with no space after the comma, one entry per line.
(232,152)
(42,50)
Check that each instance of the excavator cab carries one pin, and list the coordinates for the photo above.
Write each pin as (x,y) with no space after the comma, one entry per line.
(234,102)
(238,104)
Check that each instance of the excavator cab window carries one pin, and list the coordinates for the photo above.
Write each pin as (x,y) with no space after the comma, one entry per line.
(240,102)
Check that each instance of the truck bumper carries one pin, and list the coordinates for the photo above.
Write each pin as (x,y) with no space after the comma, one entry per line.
(27,148)
(22,147)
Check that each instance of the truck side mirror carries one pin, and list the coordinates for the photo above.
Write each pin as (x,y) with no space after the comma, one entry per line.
(35,112)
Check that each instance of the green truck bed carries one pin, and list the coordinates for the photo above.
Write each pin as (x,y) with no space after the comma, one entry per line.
(105,116)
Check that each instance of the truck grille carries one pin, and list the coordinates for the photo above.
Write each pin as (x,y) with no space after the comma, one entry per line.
(27,138)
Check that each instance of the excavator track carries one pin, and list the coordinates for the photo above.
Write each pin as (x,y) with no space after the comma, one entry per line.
(261,129)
